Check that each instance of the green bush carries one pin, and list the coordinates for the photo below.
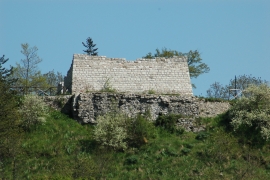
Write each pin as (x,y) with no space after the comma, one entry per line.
(33,111)
(168,122)
(140,129)
(202,136)
(111,131)
(185,151)
(169,151)
(252,111)
(131,160)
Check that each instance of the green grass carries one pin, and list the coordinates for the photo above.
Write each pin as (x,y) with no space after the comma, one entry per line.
(212,99)
(64,149)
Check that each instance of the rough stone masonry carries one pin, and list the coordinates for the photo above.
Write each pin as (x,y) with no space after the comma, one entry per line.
(86,107)
(160,75)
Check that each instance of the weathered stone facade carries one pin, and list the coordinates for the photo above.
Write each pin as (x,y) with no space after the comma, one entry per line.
(161,75)
(87,106)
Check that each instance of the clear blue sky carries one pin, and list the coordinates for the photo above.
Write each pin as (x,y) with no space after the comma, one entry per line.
(233,36)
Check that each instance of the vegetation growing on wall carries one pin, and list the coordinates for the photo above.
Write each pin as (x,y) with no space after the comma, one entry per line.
(107,86)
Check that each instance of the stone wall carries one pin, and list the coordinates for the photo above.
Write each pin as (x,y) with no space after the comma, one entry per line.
(91,73)
(61,103)
(86,107)
(68,79)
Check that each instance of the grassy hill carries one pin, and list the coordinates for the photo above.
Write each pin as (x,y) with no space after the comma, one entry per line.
(63,149)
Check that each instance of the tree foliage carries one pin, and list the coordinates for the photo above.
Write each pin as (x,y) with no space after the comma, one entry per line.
(10,132)
(29,78)
(91,50)
(53,78)
(29,64)
(194,60)
(217,90)
(5,73)
(36,80)
(27,71)
(253,110)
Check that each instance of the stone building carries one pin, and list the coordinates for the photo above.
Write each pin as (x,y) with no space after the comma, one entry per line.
(159,75)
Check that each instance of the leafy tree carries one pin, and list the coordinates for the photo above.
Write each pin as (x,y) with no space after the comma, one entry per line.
(30,62)
(36,80)
(5,73)
(90,47)
(242,82)
(253,111)
(217,90)
(166,53)
(149,56)
(27,71)
(53,78)
(196,67)
(194,60)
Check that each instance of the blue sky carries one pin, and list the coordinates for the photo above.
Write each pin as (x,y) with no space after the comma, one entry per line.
(233,36)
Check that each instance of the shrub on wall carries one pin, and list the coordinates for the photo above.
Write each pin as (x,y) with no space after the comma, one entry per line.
(33,111)
(253,111)
(151,91)
(107,87)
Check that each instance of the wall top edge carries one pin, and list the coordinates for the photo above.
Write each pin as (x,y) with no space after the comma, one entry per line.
(185,96)
(87,57)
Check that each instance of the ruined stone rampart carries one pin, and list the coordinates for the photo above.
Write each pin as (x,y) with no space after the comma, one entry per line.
(92,73)
(86,107)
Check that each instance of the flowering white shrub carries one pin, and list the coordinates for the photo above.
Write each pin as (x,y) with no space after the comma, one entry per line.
(33,111)
(111,131)
(253,110)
